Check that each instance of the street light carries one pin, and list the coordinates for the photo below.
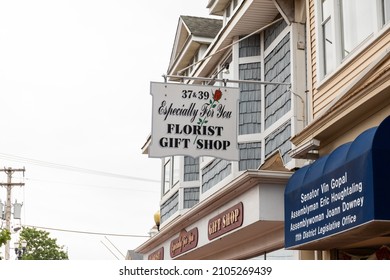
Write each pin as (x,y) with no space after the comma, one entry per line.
(20,249)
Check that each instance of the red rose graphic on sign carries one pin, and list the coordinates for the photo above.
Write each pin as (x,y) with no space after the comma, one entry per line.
(217,95)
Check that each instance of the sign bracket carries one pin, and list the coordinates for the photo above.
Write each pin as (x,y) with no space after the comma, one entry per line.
(225,81)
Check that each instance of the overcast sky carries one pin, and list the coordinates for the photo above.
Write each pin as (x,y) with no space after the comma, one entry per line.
(74,88)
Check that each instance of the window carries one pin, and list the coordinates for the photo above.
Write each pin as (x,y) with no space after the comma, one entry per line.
(386,11)
(235,3)
(328,38)
(176,170)
(167,176)
(344,25)
(192,62)
(171,173)
(230,10)
(357,19)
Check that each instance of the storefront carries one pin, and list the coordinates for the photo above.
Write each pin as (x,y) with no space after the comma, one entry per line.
(238,222)
(339,203)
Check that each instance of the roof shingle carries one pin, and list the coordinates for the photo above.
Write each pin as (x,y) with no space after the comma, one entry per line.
(202,27)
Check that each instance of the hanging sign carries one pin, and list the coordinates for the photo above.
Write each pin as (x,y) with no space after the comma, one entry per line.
(194,120)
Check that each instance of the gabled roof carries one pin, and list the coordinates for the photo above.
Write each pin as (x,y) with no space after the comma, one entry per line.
(191,33)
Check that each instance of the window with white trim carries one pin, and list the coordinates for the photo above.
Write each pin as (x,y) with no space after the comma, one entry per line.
(171,173)
(167,176)
(344,25)
(327,36)
(175,170)
(358,23)
(386,11)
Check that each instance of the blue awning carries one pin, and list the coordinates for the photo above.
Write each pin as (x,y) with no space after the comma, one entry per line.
(342,197)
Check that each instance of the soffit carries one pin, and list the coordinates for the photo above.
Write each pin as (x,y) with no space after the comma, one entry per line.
(217,7)
(251,16)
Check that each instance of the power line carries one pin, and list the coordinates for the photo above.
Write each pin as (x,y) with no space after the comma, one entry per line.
(72,168)
(90,185)
(88,232)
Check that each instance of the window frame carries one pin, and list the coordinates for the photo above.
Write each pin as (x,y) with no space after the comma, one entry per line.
(385,5)
(329,19)
(176,169)
(335,19)
(171,174)
(167,176)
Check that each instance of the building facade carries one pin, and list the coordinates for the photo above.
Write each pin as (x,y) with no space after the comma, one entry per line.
(217,209)
(328,64)
(348,83)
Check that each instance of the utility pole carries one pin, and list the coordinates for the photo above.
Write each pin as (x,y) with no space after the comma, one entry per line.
(9,171)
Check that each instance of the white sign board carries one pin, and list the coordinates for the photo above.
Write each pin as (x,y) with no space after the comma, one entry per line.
(194,120)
